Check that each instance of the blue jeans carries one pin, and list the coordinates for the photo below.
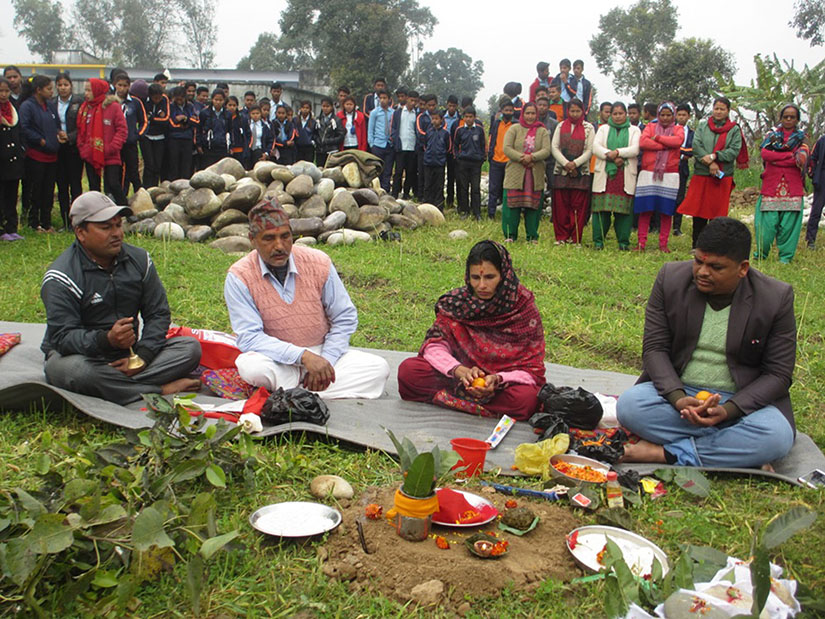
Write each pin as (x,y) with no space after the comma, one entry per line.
(747,442)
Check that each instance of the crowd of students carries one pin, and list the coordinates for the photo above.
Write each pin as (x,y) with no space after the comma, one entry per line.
(630,167)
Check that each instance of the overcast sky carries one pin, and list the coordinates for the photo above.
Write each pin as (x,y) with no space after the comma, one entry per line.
(510,40)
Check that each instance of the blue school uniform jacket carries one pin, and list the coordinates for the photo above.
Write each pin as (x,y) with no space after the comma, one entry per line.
(135,115)
(157,117)
(304,134)
(185,130)
(686,153)
(38,122)
(422,123)
(214,129)
(436,146)
(289,133)
(267,137)
(469,143)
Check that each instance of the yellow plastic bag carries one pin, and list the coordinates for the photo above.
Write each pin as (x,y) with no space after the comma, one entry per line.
(534,458)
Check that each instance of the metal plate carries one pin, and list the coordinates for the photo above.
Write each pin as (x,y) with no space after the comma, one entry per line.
(474,500)
(578,461)
(638,552)
(295,519)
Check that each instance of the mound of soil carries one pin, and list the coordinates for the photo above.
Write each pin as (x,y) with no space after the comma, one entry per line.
(422,572)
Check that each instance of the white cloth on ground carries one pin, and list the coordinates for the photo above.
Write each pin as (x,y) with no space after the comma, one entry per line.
(357,374)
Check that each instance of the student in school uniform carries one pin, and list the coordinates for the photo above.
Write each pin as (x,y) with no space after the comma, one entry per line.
(276,90)
(191,91)
(401,96)
(153,140)
(403,139)
(238,135)
(266,108)
(135,115)
(69,163)
(422,123)
(283,131)
(513,90)
(201,98)
(260,135)
(542,79)
(355,125)
(342,93)
(101,134)
(214,132)
(11,164)
(469,150)
(371,101)
(305,128)
(249,99)
(436,146)
(39,127)
(451,118)
(682,118)
(328,132)
(550,122)
(495,154)
(12,74)
(556,104)
(379,137)
(183,121)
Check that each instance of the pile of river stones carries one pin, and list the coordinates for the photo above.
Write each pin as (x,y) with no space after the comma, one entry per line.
(331,205)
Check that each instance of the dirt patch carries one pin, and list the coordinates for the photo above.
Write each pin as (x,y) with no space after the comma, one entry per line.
(399,569)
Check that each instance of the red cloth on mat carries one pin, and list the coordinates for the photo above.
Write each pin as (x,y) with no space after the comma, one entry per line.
(216,351)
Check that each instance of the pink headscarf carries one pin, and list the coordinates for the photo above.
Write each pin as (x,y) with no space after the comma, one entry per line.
(530,138)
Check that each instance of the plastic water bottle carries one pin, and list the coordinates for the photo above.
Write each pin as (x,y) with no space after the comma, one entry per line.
(614,490)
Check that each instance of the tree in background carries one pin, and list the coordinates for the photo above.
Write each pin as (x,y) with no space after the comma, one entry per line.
(350,42)
(686,72)
(809,21)
(778,82)
(631,40)
(41,24)
(268,55)
(122,32)
(196,21)
(447,72)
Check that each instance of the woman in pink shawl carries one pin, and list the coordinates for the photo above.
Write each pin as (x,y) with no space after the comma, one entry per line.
(658,182)
(527,146)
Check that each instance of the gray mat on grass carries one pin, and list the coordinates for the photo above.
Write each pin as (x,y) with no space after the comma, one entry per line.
(359,422)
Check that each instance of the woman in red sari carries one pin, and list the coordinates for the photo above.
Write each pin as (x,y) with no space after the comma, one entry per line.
(489,329)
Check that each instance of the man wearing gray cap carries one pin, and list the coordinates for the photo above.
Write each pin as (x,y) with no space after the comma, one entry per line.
(93,295)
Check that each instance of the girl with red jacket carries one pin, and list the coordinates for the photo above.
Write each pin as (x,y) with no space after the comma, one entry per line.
(101,134)
(355,124)
(658,182)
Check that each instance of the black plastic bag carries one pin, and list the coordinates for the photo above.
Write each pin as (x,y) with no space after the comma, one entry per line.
(547,425)
(603,449)
(577,407)
(294,405)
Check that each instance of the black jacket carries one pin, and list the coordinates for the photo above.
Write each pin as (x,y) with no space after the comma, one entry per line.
(83,301)
(469,143)
(75,101)
(328,133)
(11,150)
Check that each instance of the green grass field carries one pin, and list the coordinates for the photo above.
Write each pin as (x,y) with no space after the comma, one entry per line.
(592,304)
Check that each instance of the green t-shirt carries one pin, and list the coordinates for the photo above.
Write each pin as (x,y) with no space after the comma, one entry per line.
(708,366)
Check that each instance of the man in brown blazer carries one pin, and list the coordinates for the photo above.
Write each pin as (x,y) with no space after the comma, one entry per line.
(718,326)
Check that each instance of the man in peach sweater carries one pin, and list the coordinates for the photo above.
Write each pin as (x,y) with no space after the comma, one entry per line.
(293,316)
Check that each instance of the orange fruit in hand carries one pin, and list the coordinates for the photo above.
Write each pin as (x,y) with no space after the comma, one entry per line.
(703,395)
(480,382)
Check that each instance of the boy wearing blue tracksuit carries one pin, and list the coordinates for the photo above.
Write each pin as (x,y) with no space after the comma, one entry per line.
(436,146)
(214,131)
(469,151)
(135,115)
(183,120)
(261,138)
(305,128)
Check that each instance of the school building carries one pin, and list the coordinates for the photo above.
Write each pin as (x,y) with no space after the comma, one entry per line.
(298,85)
